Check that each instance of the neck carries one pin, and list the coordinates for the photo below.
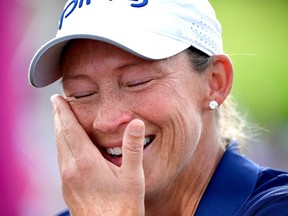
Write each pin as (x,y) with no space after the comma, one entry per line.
(183,195)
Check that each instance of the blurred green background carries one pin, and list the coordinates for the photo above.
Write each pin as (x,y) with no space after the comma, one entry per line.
(255,35)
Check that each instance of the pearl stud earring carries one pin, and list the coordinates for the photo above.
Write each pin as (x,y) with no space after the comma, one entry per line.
(213,105)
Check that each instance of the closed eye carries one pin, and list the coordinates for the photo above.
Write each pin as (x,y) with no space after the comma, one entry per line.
(83,95)
(134,84)
(74,98)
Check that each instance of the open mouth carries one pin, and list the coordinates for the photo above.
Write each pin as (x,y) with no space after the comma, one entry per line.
(117,152)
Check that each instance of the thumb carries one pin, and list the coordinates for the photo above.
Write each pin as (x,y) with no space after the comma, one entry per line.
(132,148)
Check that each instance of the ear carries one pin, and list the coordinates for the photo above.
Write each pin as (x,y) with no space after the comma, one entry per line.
(220,78)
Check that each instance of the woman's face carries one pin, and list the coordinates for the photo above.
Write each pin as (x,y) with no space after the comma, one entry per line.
(108,87)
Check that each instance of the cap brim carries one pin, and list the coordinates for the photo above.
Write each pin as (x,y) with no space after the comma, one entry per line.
(45,66)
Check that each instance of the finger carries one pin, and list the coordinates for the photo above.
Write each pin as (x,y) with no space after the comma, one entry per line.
(132,149)
(62,150)
(70,135)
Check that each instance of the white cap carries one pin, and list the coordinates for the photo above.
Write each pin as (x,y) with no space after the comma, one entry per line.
(152,29)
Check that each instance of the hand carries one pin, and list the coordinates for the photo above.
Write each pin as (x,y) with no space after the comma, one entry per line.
(91,185)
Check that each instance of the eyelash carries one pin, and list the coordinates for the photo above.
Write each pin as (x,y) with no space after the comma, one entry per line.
(138,83)
(83,96)
(76,97)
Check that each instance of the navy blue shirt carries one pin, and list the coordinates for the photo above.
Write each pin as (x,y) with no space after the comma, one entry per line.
(239,187)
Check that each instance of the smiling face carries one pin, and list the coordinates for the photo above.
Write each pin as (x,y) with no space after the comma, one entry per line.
(108,87)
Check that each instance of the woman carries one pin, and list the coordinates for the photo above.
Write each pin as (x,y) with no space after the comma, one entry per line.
(138,130)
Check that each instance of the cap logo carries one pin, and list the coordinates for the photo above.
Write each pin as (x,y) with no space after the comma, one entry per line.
(74,3)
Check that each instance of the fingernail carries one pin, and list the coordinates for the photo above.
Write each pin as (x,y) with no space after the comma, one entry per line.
(136,128)
(53,101)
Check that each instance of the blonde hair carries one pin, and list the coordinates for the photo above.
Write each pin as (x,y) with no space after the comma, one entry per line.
(232,125)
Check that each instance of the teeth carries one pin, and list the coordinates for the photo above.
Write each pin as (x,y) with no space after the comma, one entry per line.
(118,150)
(114,151)
(146,140)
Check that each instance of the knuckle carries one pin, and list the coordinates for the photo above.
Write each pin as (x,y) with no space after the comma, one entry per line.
(83,164)
(135,145)
(78,169)
(68,175)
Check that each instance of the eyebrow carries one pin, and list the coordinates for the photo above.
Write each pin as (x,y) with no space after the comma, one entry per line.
(74,77)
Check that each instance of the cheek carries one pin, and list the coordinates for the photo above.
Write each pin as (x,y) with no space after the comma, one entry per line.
(152,106)
(175,112)
(84,113)
(163,102)
(179,124)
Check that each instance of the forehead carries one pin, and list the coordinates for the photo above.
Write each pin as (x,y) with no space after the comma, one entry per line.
(93,48)
(85,52)
(87,56)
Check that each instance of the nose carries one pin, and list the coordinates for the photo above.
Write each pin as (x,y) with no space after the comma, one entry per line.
(111,116)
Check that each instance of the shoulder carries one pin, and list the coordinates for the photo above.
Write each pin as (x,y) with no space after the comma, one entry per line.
(243,188)
(64,213)
(270,196)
